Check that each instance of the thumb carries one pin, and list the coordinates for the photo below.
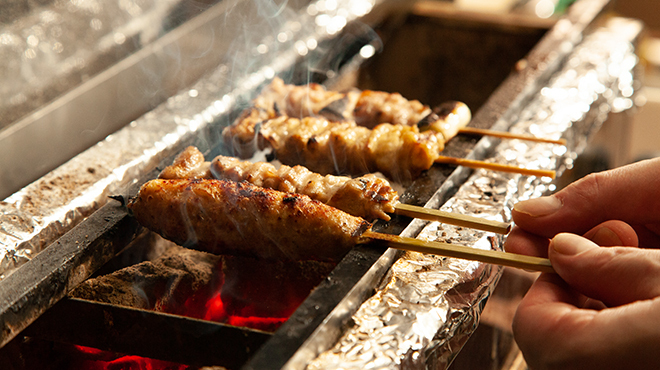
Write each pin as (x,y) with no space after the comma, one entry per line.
(613,275)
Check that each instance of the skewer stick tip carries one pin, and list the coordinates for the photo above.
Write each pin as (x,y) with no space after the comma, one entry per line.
(509,135)
(495,166)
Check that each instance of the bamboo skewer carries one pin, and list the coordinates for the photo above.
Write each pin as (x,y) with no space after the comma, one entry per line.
(508,135)
(494,166)
(463,252)
(452,218)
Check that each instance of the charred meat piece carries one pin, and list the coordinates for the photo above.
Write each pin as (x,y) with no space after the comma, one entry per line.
(293,100)
(275,100)
(448,118)
(242,136)
(226,217)
(400,152)
(376,107)
(368,196)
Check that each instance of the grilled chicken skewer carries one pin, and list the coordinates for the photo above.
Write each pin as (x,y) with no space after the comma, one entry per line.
(370,108)
(369,196)
(367,108)
(400,152)
(227,217)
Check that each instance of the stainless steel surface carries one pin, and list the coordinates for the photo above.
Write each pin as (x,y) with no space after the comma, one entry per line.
(48,47)
(134,85)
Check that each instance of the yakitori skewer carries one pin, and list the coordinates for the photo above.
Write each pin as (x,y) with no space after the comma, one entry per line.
(227,217)
(400,152)
(368,196)
(366,108)
(369,108)
(368,131)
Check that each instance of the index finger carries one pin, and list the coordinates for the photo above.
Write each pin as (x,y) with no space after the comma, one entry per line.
(629,193)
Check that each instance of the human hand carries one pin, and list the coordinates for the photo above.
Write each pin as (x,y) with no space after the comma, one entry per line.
(601,310)
(630,194)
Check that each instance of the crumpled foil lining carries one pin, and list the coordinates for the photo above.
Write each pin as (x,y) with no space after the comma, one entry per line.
(427,306)
(38,214)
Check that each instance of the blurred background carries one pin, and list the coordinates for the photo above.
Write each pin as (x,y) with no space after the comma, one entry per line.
(645,132)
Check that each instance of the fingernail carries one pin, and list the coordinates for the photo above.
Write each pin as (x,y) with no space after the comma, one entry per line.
(538,207)
(605,236)
(571,244)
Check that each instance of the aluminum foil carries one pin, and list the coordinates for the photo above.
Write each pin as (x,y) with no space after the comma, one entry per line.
(427,306)
(38,214)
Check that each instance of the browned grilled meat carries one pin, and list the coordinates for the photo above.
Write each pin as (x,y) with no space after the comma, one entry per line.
(189,164)
(367,196)
(293,100)
(400,152)
(448,118)
(275,100)
(226,217)
(367,108)
(375,107)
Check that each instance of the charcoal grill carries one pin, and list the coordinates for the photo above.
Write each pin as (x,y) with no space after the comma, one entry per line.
(33,288)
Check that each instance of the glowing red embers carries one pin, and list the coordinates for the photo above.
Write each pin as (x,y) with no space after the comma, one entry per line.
(215,311)
(96,359)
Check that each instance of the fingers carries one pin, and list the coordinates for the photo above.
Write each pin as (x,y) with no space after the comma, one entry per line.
(609,233)
(547,314)
(521,242)
(613,233)
(628,193)
(554,332)
(614,275)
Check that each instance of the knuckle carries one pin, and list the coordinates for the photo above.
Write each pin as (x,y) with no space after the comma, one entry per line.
(587,191)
